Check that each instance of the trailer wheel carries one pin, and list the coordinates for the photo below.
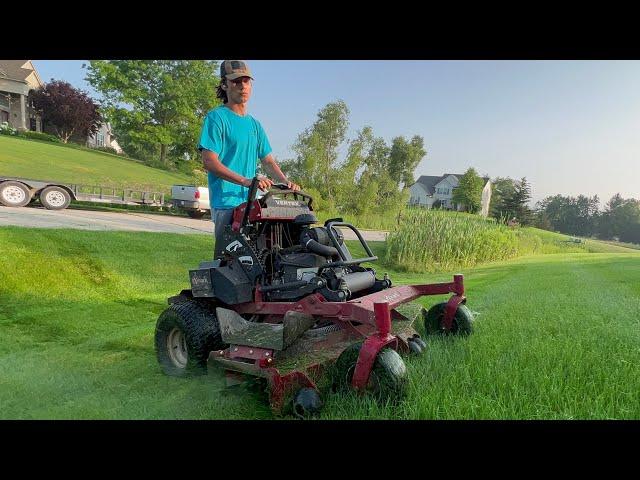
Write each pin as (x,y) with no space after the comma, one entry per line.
(196,213)
(185,335)
(14,194)
(388,377)
(55,198)
(461,325)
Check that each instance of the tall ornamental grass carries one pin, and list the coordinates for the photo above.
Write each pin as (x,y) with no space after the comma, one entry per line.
(436,240)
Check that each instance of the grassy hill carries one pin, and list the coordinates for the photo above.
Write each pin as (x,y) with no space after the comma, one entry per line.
(556,336)
(49,161)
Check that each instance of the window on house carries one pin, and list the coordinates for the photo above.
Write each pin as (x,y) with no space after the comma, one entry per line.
(32,124)
(99,139)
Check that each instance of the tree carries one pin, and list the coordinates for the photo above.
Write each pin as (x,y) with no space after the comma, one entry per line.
(502,189)
(468,193)
(68,110)
(516,204)
(156,106)
(620,219)
(404,157)
(575,216)
(372,177)
(317,147)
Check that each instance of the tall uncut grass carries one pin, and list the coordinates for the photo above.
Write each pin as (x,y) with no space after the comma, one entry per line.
(436,240)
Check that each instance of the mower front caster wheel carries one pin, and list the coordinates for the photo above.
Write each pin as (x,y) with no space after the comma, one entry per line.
(388,377)
(433,320)
(306,403)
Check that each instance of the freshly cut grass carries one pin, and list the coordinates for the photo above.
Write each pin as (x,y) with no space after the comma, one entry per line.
(556,336)
(49,161)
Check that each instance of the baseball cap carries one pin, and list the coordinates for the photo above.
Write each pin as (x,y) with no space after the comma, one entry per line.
(232,69)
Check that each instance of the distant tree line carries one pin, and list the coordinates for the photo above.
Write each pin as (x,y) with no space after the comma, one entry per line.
(581,215)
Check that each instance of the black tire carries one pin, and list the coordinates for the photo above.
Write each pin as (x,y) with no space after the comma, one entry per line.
(14,194)
(461,325)
(196,213)
(388,378)
(55,198)
(185,335)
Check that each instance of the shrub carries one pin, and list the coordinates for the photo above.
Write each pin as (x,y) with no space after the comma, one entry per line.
(6,129)
(106,150)
(40,136)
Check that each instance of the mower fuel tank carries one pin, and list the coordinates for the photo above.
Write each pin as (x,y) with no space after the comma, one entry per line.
(228,284)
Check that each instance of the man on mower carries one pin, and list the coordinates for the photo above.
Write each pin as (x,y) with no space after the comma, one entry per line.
(231,143)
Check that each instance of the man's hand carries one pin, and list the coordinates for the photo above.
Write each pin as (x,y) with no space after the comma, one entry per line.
(264,183)
(293,186)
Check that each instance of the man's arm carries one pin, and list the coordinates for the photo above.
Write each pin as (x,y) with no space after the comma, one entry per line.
(212,163)
(273,169)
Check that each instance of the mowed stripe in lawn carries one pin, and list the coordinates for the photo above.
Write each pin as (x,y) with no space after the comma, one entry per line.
(556,336)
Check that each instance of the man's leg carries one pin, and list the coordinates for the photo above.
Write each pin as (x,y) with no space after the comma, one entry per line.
(221,217)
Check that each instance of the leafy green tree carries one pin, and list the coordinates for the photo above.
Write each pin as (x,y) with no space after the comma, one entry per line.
(468,193)
(404,157)
(517,203)
(317,148)
(620,219)
(502,188)
(372,178)
(571,215)
(156,107)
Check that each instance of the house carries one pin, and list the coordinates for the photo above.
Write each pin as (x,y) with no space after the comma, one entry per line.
(104,137)
(430,189)
(17,79)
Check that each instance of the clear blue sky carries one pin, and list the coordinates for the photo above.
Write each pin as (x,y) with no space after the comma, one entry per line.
(570,127)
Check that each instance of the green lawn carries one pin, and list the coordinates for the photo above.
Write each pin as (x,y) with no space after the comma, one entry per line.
(49,161)
(557,336)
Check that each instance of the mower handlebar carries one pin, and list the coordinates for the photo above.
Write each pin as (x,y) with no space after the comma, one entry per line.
(253,191)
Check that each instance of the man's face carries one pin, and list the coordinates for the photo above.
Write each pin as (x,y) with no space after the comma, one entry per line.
(239,89)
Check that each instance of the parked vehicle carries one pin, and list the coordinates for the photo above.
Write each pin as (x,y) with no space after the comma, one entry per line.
(193,200)
(18,192)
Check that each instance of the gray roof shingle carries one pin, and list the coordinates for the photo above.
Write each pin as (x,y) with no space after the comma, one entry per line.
(12,69)
(430,181)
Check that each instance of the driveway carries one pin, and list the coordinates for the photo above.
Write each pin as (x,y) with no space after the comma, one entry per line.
(38,217)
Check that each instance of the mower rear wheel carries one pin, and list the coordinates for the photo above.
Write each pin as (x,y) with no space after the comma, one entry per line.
(186,333)
(461,325)
(388,377)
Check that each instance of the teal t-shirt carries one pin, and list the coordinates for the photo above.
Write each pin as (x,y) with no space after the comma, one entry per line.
(240,142)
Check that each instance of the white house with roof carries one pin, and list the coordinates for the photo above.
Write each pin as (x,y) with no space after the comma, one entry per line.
(430,189)
(17,79)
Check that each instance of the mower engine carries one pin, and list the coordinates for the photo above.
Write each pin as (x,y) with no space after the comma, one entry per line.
(272,245)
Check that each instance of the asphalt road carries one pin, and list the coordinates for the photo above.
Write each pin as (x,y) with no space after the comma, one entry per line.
(38,217)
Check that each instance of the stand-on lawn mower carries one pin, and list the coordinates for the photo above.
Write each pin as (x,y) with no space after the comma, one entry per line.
(286,301)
